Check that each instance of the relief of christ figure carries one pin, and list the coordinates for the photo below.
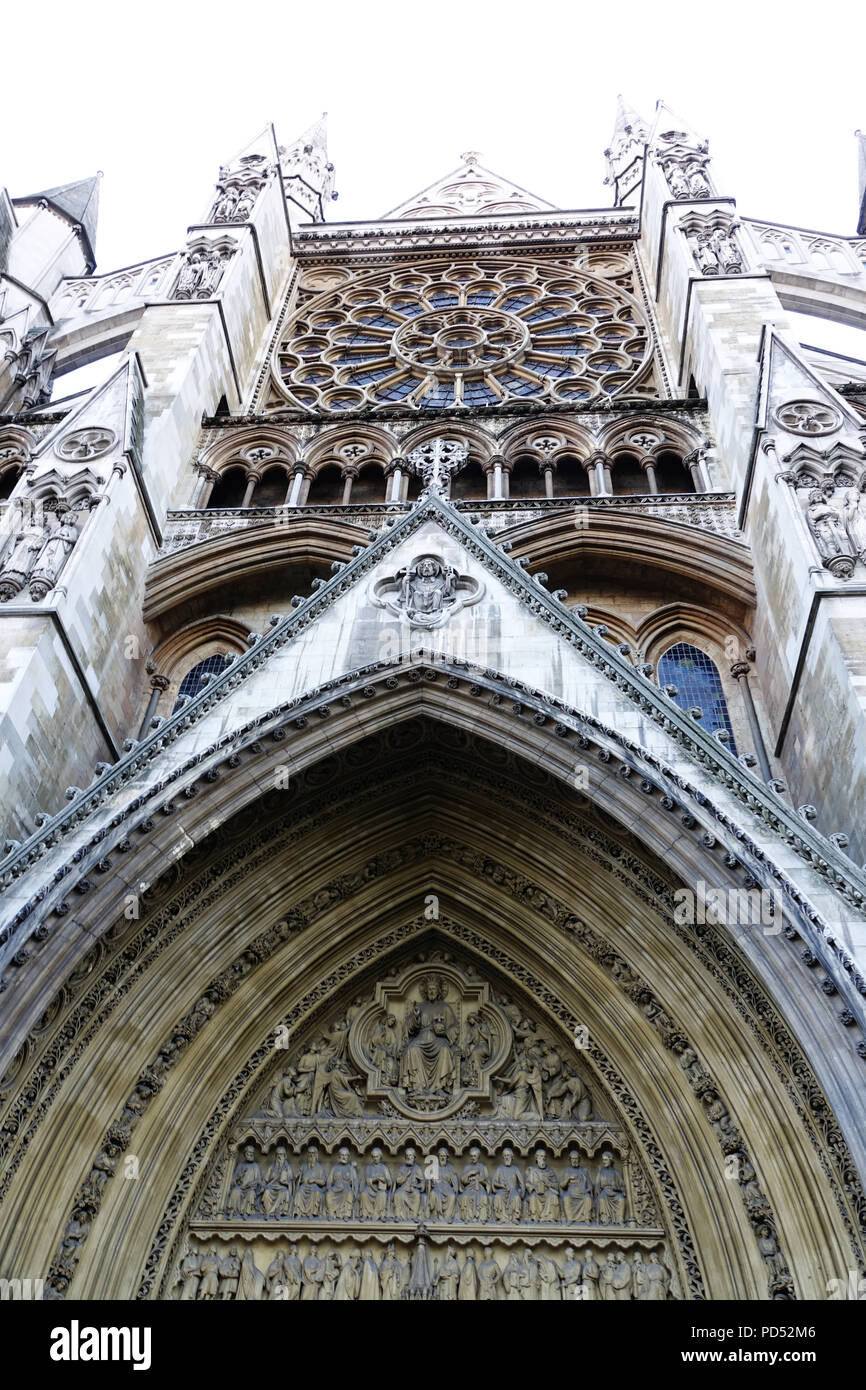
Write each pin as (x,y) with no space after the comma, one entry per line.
(430,1057)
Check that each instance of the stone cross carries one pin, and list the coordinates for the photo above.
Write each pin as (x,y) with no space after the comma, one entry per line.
(436,462)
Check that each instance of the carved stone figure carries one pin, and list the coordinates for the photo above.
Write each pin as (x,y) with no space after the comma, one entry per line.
(726,251)
(383,1048)
(210,1276)
(542,1190)
(705,255)
(447,1276)
(609,1190)
(522,1097)
(349,1283)
(409,1190)
(420,1284)
(698,185)
(392,1274)
(246,1185)
(52,557)
(826,525)
(467,1289)
(429,1061)
(771,1254)
(371,1289)
(330,1276)
(568,1098)
(342,1188)
(549,1286)
(245,203)
(279,1185)
(190,1273)
(657,1279)
(310,1189)
(572,1277)
(224,208)
(474,1188)
(507,1188)
(426,587)
(529,1283)
(679,184)
(577,1190)
(314,1274)
(511,1277)
(229,1273)
(855,521)
(591,1279)
(375,1198)
(293,1275)
(18,564)
(476,1049)
(444,1188)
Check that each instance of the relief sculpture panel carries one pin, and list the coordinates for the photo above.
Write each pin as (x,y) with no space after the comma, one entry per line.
(436,1121)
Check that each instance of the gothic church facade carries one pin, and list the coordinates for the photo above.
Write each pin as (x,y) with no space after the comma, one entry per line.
(434,746)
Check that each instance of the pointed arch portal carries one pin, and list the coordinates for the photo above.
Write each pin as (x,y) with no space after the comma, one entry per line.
(230,994)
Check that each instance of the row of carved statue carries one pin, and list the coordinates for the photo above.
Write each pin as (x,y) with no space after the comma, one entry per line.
(427,1188)
(518,1274)
(36,557)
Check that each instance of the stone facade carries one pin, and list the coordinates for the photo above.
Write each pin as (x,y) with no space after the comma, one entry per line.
(431,661)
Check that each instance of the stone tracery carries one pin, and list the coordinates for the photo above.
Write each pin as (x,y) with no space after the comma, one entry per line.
(446,335)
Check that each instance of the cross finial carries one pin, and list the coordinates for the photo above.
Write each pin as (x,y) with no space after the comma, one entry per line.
(471,157)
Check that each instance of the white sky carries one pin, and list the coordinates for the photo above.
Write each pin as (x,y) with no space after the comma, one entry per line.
(158,95)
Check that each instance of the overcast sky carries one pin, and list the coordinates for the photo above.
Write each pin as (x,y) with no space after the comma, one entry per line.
(158,95)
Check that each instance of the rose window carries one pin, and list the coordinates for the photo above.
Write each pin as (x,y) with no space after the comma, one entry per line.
(462,335)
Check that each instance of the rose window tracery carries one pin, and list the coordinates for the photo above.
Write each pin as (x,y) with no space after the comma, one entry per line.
(446,336)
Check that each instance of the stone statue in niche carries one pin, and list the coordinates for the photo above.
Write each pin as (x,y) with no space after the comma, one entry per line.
(224,207)
(279,1185)
(383,1048)
(246,1185)
(444,1188)
(392,1275)
(475,1188)
(577,1193)
(507,1188)
(375,1198)
(18,564)
(609,1191)
(677,181)
(190,1273)
(446,1278)
(476,1049)
(855,521)
(371,1289)
(210,1275)
(429,1061)
(572,1277)
(311,1185)
(521,1097)
(542,1190)
(230,1273)
(52,557)
(409,1189)
(697,179)
(829,533)
(726,251)
(342,1188)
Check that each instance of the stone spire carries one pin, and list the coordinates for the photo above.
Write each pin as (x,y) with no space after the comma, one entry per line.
(307,173)
(624,155)
(78,202)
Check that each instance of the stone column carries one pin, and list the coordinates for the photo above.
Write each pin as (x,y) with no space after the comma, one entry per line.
(157,685)
(694,463)
(293,496)
(252,479)
(740,672)
(349,476)
(497,474)
(204,488)
(547,470)
(394,473)
(649,467)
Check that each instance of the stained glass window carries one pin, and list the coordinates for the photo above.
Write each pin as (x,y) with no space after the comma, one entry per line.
(698,683)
